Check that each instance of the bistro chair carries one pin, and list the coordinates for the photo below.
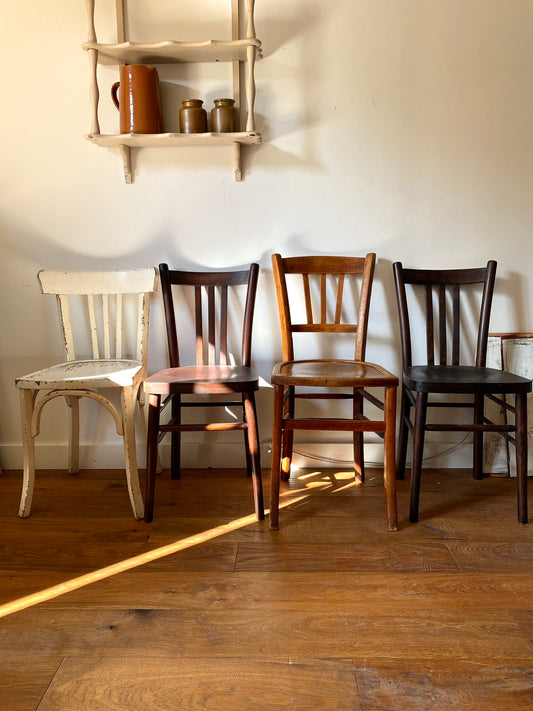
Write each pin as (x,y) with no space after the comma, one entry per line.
(445,305)
(219,377)
(102,353)
(326,287)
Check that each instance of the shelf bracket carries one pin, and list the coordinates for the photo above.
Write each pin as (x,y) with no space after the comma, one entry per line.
(125,152)
(237,161)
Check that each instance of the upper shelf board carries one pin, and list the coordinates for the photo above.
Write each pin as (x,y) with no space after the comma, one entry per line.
(171,52)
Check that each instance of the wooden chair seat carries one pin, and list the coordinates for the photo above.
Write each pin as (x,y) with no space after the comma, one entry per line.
(332,373)
(202,380)
(79,373)
(463,379)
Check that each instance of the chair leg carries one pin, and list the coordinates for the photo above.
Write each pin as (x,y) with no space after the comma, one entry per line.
(418,449)
(389,467)
(477,466)
(154,402)
(128,400)
(358,441)
(275,471)
(287,439)
(144,425)
(28,448)
(286,456)
(403,433)
(254,453)
(246,444)
(175,439)
(521,456)
(74,435)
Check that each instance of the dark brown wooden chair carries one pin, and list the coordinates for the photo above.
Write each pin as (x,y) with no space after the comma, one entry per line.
(213,376)
(328,283)
(441,374)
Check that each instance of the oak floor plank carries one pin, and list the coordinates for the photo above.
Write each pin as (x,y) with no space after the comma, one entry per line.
(525,621)
(210,556)
(341,524)
(232,684)
(359,528)
(58,493)
(325,557)
(22,688)
(260,634)
(366,593)
(491,557)
(428,685)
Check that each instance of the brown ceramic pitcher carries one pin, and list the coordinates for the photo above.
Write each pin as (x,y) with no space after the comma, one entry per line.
(139,99)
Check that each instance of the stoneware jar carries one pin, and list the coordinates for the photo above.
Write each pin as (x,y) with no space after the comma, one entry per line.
(223,116)
(193,118)
(139,99)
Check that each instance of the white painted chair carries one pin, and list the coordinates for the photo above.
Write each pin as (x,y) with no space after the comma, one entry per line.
(102,305)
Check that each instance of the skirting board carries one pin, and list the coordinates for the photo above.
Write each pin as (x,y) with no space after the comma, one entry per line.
(231,455)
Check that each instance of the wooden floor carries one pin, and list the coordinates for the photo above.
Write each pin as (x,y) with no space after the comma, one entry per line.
(207,609)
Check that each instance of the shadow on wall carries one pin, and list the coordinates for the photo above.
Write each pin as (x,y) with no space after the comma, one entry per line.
(516,309)
(301,30)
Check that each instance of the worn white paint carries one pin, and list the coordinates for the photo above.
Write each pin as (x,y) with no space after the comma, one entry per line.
(75,379)
(515,354)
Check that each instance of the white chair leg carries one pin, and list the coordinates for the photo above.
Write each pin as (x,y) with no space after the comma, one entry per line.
(28,447)
(130,454)
(74,435)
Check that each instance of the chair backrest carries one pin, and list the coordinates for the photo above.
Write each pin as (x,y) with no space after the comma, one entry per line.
(323,291)
(213,294)
(104,314)
(443,292)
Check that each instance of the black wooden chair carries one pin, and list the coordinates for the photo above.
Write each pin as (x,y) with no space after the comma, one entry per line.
(443,292)
(213,381)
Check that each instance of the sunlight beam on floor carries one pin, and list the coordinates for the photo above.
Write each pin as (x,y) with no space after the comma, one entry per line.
(75,583)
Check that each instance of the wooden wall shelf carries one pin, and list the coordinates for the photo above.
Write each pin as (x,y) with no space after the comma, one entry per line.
(240,50)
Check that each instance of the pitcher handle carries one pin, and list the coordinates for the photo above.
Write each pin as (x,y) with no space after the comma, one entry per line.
(114,90)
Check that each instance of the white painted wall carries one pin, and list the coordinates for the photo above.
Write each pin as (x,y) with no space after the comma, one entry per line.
(398,126)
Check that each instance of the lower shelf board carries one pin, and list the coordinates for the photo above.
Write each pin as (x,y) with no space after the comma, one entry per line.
(147,140)
(125,141)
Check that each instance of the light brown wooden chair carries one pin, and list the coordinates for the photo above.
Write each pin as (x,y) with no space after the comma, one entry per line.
(318,279)
(217,370)
(104,319)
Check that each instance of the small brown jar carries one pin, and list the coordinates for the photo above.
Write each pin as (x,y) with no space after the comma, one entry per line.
(193,118)
(223,116)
